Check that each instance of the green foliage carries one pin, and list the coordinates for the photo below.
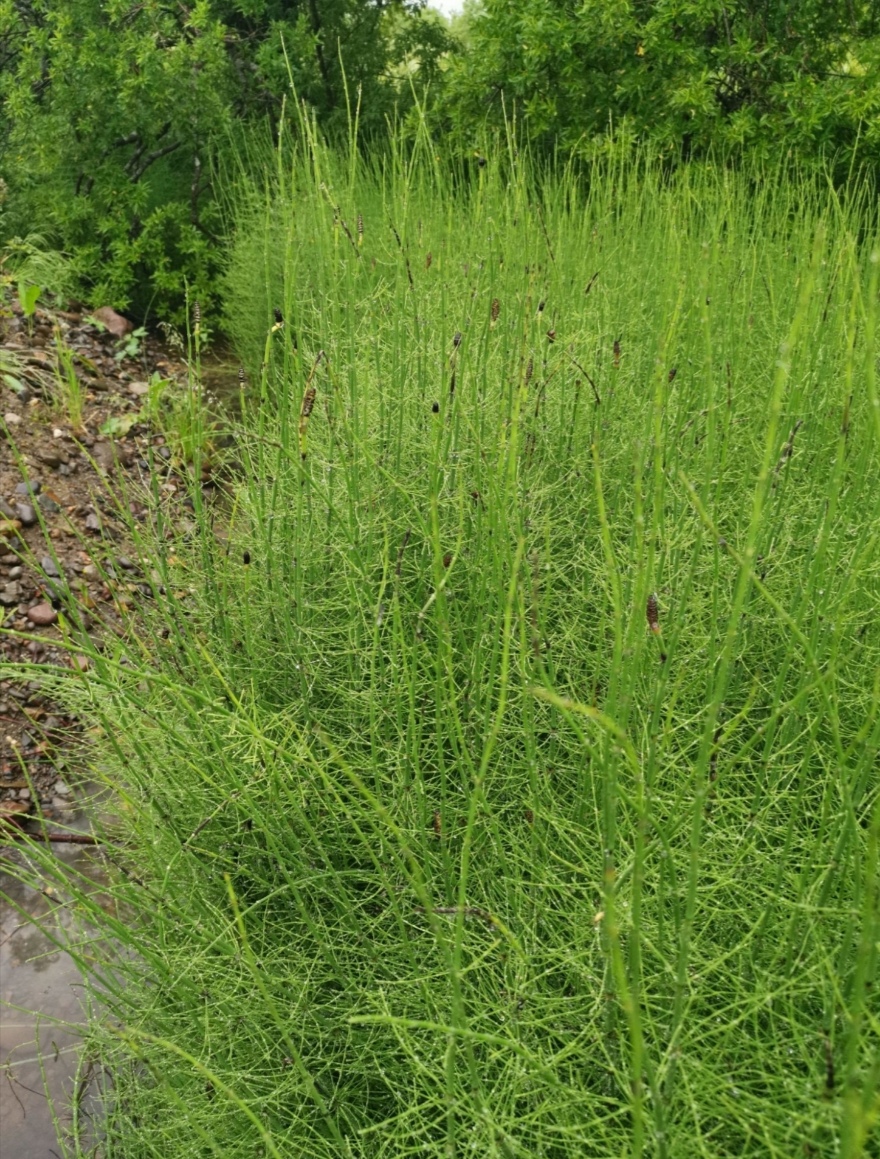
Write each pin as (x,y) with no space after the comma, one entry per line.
(111,118)
(428,845)
(801,75)
(115,115)
(34,267)
(118,426)
(27,296)
(152,408)
(70,391)
(120,119)
(130,346)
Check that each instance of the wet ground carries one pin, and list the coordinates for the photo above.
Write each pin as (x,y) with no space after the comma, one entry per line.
(41,1006)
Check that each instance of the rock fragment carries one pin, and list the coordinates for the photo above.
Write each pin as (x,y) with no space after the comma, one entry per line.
(10,594)
(115,323)
(13,814)
(43,615)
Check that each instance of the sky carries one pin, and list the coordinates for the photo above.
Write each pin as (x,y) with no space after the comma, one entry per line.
(447,7)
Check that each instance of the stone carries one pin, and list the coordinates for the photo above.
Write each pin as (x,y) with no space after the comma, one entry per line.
(115,323)
(165,453)
(48,505)
(51,458)
(13,813)
(90,572)
(5,510)
(12,419)
(43,615)
(139,389)
(56,592)
(10,595)
(104,455)
(50,568)
(61,789)
(93,522)
(31,487)
(15,572)
(26,514)
(125,563)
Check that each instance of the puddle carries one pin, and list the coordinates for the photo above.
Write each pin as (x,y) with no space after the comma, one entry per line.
(219,367)
(40,987)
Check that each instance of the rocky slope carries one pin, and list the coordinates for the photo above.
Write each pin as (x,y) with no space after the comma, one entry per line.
(66,494)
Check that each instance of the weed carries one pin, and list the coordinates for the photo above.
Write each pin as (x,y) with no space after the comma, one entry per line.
(432,857)
(70,393)
(118,426)
(28,297)
(130,345)
(154,398)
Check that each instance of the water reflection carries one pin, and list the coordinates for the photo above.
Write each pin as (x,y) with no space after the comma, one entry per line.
(40,1007)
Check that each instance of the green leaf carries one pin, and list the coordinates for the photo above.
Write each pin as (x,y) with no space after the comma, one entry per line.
(27,296)
(118,426)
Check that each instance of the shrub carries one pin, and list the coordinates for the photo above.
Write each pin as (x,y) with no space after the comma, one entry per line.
(741,76)
(116,115)
(430,843)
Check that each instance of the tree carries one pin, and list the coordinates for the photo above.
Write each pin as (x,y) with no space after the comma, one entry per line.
(744,74)
(114,111)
